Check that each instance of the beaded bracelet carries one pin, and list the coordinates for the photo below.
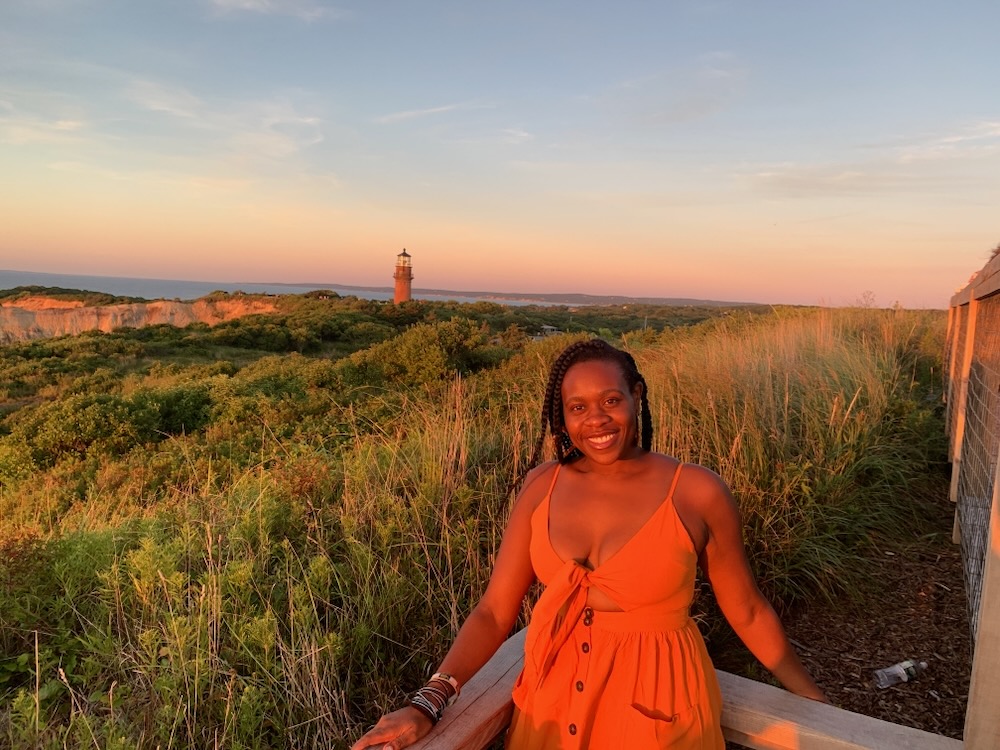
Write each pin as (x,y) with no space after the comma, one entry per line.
(425,707)
(439,693)
(451,681)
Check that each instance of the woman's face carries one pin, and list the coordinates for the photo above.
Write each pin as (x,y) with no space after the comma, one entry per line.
(599,410)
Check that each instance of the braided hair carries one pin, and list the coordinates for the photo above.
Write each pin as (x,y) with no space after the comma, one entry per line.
(552,407)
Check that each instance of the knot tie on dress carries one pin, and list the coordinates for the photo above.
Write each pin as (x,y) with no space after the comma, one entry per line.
(556,613)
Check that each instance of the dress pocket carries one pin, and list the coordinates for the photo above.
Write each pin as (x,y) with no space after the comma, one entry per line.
(647,728)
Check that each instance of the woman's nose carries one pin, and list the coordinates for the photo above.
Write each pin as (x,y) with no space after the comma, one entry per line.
(597,416)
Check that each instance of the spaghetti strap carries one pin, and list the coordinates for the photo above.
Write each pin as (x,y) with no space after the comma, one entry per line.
(673,482)
(552,485)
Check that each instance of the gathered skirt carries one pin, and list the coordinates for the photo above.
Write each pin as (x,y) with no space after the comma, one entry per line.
(636,680)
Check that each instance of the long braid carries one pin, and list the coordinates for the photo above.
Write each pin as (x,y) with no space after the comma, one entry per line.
(645,416)
(552,418)
(552,411)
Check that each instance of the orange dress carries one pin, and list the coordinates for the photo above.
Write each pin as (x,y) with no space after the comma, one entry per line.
(637,679)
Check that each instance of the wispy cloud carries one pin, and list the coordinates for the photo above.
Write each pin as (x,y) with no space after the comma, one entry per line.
(30,116)
(20,130)
(516,135)
(413,114)
(278,138)
(178,179)
(271,129)
(974,140)
(91,170)
(306,10)
(689,92)
(963,157)
(837,179)
(491,137)
(159,97)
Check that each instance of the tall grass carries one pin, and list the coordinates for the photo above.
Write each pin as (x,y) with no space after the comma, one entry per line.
(821,423)
(217,591)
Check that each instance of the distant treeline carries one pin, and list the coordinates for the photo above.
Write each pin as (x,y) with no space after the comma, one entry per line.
(90,299)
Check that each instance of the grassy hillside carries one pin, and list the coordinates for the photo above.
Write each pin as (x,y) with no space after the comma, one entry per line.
(205,543)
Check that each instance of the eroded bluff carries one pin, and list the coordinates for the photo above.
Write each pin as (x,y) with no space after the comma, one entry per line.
(41,317)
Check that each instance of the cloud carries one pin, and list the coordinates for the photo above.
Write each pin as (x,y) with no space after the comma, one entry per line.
(159,97)
(841,179)
(975,140)
(306,10)
(413,114)
(186,181)
(30,116)
(272,129)
(515,136)
(19,130)
(966,157)
(683,94)
(94,171)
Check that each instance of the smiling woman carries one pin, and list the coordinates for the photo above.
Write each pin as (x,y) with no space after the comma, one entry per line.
(615,533)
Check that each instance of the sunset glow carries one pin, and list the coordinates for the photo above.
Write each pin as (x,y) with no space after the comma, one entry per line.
(750,152)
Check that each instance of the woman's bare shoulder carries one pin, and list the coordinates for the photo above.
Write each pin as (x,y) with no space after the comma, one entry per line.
(703,491)
(536,484)
(661,466)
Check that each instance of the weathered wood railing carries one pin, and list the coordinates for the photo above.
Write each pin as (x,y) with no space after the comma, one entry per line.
(754,715)
(973,395)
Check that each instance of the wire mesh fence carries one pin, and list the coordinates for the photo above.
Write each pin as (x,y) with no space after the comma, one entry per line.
(980,441)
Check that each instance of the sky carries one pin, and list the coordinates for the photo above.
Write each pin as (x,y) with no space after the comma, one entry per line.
(780,152)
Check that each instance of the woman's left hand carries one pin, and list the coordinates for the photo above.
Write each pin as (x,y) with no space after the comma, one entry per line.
(395,731)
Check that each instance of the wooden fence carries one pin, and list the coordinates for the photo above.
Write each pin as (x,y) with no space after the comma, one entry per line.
(973,419)
(759,716)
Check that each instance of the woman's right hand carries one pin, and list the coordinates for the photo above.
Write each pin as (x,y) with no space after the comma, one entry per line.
(396,730)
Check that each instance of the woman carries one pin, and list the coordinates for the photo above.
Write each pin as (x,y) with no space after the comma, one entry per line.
(614,532)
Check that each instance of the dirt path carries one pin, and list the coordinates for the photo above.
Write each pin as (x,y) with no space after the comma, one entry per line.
(920,614)
(915,608)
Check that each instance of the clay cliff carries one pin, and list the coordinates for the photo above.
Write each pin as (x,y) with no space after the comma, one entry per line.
(42,317)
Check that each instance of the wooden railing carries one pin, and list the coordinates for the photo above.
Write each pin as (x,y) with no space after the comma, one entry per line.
(753,715)
(973,396)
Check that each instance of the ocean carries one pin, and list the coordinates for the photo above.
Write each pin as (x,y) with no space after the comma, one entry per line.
(190,290)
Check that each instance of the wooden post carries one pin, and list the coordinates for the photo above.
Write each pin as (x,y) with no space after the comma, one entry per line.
(955,327)
(982,717)
(963,396)
(949,343)
(963,360)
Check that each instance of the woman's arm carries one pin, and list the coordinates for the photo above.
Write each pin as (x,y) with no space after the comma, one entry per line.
(724,561)
(487,626)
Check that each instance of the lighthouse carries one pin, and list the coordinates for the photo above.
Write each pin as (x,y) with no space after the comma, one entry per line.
(403,277)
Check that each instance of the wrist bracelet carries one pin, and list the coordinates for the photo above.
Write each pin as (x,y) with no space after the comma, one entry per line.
(451,681)
(424,706)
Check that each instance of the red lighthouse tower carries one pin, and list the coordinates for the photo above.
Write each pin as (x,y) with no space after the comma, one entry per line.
(403,277)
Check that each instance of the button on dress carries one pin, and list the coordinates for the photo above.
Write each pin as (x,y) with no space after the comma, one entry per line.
(637,679)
